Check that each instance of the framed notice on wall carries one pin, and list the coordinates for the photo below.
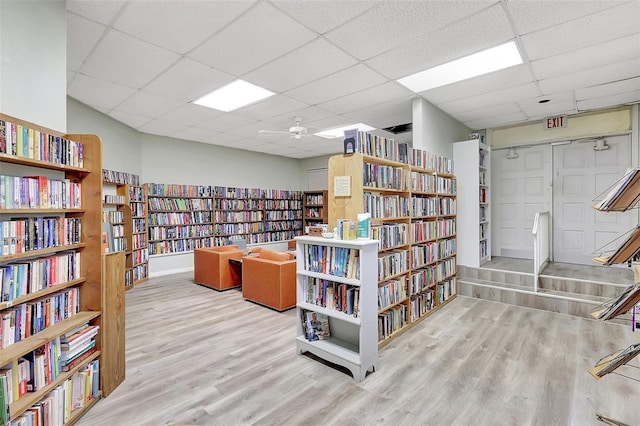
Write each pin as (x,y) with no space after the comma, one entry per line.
(342,186)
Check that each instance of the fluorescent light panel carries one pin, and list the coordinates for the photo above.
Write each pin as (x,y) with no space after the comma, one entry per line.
(233,96)
(338,132)
(494,59)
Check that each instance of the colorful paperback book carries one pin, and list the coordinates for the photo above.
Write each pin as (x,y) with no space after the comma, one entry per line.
(317,326)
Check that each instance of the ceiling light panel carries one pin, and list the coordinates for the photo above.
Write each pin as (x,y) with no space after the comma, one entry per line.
(233,96)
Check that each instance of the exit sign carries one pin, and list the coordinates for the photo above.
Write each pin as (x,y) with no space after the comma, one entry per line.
(555,122)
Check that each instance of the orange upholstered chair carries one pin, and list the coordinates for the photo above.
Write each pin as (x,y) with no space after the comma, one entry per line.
(211,267)
(269,278)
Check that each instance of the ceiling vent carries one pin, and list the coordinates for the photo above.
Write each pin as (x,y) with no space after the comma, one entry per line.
(399,128)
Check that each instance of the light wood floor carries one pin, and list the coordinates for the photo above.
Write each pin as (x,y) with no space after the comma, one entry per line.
(199,357)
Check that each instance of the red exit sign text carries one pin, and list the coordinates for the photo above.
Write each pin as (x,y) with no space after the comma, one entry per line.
(555,122)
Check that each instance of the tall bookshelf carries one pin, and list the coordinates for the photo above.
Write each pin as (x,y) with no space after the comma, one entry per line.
(472,165)
(326,267)
(63,202)
(282,215)
(314,208)
(138,270)
(180,218)
(411,196)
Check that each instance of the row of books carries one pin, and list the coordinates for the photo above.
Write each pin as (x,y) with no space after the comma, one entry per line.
(181,218)
(232,204)
(113,199)
(179,246)
(314,212)
(138,209)
(338,261)
(113,216)
(39,192)
(446,186)
(312,199)
(385,206)
(188,204)
(423,231)
(445,290)
(282,204)
(241,216)
(390,235)
(239,228)
(140,272)
(334,296)
(422,303)
(423,182)
(423,278)
(140,256)
(272,236)
(185,231)
(21,235)
(22,141)
(430,161)
(139,225)
(431,252)
(392,263)
(176,190)
(257,193)
(381,176)
(20,279)
(29,318)
(392,292)
(315,325)
(139,241)
(392,320)
(136,193)
(432,206)
(112,176)
(283,226)
(283,215)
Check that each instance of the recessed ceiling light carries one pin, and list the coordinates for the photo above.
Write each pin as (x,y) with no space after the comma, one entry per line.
(338,132)
(233,96)
(494,59)
(544,101)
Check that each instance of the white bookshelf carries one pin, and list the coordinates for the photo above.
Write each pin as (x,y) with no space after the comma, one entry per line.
(472,168)
(354,341)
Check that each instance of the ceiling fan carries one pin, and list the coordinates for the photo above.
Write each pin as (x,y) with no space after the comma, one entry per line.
(295,132)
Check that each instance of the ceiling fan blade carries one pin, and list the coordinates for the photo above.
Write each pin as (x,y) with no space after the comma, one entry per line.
(272,132)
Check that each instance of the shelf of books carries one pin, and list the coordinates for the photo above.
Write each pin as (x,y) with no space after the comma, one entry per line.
(257,215)
(336,302)
(410,196)
(138,269)
(314,208)
(53,330)
(180,217)
(472,160)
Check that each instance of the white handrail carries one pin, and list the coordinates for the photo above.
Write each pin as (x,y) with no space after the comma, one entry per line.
(541,245)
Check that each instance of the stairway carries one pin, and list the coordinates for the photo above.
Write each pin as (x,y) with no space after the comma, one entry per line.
(570,295)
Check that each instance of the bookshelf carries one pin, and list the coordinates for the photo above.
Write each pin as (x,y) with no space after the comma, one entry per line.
(411,195)
(314,208)
(352,319)
(472,167)
(282,215)
(66,198)
(180,218)
(137,271)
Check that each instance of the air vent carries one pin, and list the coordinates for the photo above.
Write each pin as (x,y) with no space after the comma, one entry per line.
(399,128)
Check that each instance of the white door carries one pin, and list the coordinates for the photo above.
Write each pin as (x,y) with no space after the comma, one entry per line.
(521,187)
(580,175)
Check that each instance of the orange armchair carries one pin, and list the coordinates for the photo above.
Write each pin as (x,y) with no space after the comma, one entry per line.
(211,267)
(269,278)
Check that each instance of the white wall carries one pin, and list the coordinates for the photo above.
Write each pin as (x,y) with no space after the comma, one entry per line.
(33,67)
(434,130)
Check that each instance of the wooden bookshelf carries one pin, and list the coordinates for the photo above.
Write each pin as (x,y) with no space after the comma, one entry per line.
(77,256)
(352,325)
(137,269)
(413,210)
(472,168)
(180,217)
(314,208)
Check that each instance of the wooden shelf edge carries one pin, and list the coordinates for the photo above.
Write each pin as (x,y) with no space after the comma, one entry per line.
(40,293)
(40,253)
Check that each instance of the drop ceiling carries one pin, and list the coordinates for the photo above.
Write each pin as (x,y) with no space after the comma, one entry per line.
(334,63)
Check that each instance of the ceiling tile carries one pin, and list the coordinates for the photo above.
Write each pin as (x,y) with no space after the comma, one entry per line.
(191,114)
(251,130)
(102,12)
(369,34)
(517,117)
(248,42)
(322,16)
(623,21)
(131,120)
(490,28)
(488,112)
(567,95)
(609,101)
(82,36)
(534,109)
(511,77)
(271,107)
(305,64)
(162,127)
(125,60)
(350,80)
(593,56)
(530,16)
(602,90)
(376,95)
(592,77)
(188,80)
(560,108)
(70,76)
(385,115)
(226,122)
(151,104)
(487,100)
(98,93)
(149,20)
(308,115)
(195,134)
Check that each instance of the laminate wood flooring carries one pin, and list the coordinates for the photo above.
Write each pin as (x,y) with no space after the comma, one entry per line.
(199,357)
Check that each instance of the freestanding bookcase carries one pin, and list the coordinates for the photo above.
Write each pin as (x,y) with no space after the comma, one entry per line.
(314,208)
(353,343)
(67,204)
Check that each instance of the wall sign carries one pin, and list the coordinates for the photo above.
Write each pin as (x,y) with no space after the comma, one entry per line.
(557,122)
(342,186)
